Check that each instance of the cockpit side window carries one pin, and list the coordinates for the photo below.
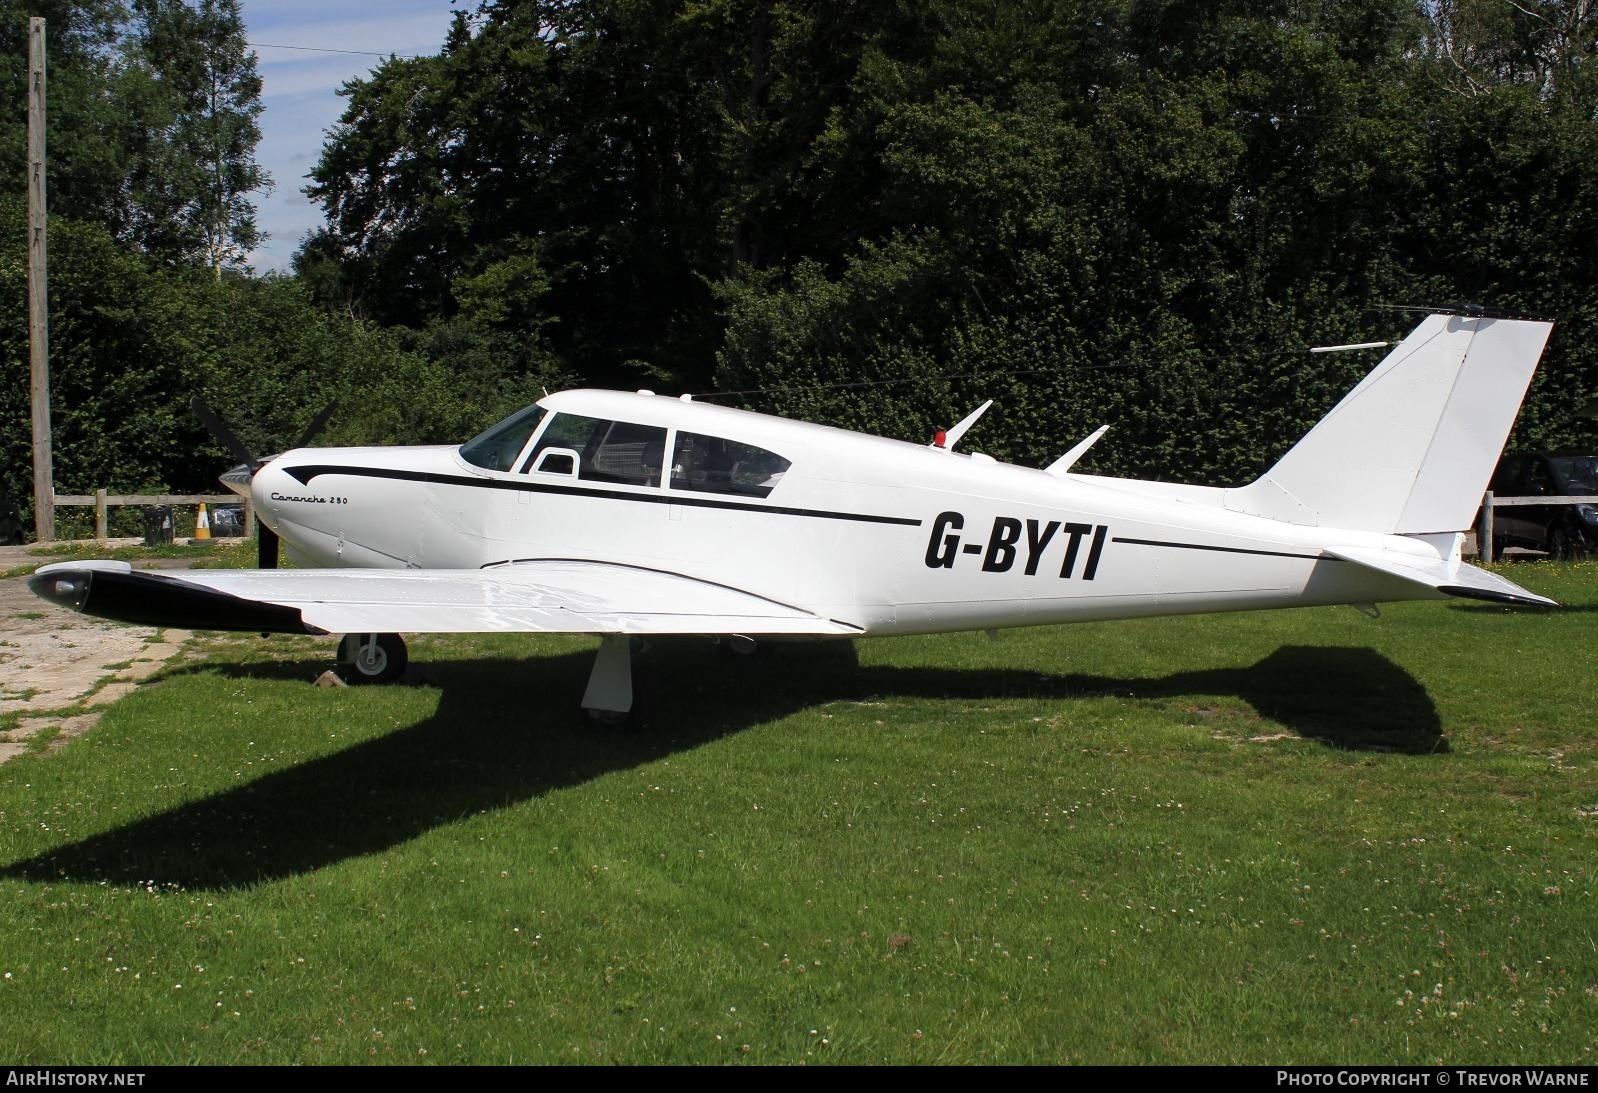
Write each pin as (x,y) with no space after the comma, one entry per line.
(496,448)
(608,451)
(711,464)
(566,431)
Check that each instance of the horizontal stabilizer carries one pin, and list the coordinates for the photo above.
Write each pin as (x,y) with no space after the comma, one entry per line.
(1449,577)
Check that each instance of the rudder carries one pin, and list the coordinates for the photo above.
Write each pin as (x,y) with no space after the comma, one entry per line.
(1410,449)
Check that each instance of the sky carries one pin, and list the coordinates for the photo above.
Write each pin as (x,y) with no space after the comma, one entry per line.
(300,91)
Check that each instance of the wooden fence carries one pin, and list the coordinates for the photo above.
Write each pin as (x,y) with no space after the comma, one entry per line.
(103,502)
(1484,525)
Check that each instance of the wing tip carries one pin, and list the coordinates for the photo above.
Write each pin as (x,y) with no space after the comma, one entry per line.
(120,593)
(1521,599)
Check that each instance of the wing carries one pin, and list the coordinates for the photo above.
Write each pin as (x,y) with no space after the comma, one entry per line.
(549,596)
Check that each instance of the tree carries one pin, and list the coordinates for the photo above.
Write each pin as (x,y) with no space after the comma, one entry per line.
(191,80)
(570,134)
(87,126)
(1549,46)
(1120,210)
(152,123)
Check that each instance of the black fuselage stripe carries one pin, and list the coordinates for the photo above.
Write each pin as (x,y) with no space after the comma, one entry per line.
(1221,549)
(304,475)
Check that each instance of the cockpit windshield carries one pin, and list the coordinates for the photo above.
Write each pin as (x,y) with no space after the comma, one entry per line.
(497,448)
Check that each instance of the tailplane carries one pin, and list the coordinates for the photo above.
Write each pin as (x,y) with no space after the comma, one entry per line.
(1409,451)
(1447,575)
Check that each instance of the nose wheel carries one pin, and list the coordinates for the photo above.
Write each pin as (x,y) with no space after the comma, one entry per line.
(372,658)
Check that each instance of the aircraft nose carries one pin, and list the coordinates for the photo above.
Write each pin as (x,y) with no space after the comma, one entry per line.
(267,488)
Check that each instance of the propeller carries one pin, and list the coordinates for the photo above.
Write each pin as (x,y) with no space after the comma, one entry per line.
(318,423)
(268,545)
(220,430)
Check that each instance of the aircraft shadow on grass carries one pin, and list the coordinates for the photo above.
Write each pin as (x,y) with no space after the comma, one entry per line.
(505,731)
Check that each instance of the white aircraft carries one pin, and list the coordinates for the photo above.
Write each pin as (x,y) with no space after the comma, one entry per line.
(623,515)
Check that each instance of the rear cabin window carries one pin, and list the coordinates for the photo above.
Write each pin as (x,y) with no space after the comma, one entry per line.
(607,451)
(497,447)
(711,464)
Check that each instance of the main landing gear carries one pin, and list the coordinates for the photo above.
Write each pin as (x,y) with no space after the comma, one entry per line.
(607,703)
(372,658)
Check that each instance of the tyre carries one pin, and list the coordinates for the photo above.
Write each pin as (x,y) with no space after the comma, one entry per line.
(605,720)
(738,648)
(363,660)
(1564,546)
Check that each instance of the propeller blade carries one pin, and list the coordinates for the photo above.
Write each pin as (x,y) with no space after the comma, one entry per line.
(266,547)
(220,430)
(318,423)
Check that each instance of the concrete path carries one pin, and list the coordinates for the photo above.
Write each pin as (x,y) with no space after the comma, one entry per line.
(59,669)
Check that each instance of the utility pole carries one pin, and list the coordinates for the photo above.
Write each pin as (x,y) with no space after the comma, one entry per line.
(38,298)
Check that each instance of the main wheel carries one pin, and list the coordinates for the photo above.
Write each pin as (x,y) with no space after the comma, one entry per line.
(739,647)
(605,720)
(1562,546)
(372,658)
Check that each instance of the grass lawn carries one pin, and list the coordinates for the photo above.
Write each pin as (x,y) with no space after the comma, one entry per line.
(214,554)
(1297,837)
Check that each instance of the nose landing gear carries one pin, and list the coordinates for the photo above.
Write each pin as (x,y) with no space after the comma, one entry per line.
(372,658)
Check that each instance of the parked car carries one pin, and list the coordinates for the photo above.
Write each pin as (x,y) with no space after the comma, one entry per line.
(227,521)
(1562,531)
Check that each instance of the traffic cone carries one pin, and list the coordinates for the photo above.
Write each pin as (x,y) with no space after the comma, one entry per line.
(202,523)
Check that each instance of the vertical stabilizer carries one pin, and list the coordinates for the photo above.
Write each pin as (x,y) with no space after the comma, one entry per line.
(1410,449)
